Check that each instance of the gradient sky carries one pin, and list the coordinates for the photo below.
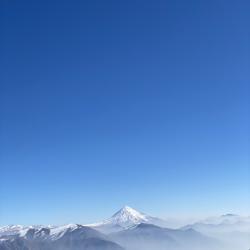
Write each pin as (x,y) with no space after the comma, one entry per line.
(107,103)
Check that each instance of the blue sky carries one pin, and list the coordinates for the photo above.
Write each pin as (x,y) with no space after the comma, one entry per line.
(107,103)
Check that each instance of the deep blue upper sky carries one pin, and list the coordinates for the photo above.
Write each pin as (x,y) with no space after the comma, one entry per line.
(106,103)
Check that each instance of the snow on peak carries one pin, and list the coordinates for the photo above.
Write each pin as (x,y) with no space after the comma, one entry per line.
(59,231)
(128,215)
(124,218)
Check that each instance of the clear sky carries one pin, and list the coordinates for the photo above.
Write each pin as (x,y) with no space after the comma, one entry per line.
(107,103)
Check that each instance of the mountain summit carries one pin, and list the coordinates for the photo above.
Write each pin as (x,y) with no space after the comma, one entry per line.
(126,217)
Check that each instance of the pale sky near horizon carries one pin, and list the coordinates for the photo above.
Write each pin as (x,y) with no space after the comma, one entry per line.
(107,103)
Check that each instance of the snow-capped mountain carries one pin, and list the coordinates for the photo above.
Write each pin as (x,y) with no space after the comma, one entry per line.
(128,216)
(12,230)
(124,218)
(68,237)
(132,230)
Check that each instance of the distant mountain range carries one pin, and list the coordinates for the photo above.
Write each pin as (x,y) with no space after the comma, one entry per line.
(131,230)
(224,223)
(70,237)
(148,236)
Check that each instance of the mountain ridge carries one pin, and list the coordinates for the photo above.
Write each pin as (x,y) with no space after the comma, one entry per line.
(130,229)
